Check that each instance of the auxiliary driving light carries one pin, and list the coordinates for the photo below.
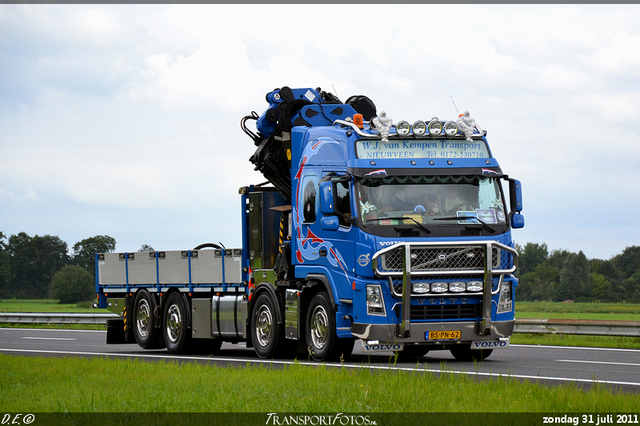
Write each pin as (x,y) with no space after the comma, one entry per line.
(439,287)
(474,286)
(450,128)
(421,288)
(419,128)
(403,128)
(456,287)
(435,127)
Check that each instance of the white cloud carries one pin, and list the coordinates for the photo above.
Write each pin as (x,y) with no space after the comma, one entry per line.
(133,111)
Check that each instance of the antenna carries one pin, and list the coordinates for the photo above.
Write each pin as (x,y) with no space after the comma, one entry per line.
(454,105)
(335,91)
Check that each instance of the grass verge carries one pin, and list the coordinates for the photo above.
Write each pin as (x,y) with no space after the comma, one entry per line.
(41,384)
(589,311)
(619,342)
(45,305)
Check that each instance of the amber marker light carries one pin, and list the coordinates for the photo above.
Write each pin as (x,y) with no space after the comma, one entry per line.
(358,121)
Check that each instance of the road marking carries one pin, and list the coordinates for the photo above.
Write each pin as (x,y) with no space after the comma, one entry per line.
(337,365)
(47,338)
(512,345)
(599,362)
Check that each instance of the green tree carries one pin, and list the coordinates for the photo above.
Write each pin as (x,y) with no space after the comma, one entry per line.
(628,262)
(575,277)
(541,284)
(146,247)
(602,288)
(34,261)
(531,255)
(84,252)
(72,284)
(5,268)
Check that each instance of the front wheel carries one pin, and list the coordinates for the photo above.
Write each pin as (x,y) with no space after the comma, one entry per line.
(174,324)
(322,342)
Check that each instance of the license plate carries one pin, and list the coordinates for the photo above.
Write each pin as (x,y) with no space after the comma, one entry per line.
(443,335)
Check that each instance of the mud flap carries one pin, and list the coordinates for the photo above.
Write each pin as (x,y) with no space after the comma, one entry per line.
(115,331)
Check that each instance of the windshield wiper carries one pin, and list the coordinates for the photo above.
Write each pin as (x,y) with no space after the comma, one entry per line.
(484,224)
(400,218)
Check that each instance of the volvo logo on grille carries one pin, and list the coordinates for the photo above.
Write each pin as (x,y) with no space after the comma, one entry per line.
(442,257)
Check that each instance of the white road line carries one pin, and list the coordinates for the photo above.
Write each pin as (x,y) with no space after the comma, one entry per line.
(583,348)
(342,365)
(599,362)
(47,338)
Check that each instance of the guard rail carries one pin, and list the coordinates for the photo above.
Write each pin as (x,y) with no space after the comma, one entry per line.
(523,325)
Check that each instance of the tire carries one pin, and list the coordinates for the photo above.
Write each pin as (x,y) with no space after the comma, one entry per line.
(144,321)
(174,324)
(412,353)
(266,333)
(320,332)
(465,353)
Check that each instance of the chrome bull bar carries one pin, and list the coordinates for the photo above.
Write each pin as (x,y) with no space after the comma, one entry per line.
(424,259)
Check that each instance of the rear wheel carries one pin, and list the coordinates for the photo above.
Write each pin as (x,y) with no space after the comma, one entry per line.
(144,321)
(465,353)
(322,342)
(174,324)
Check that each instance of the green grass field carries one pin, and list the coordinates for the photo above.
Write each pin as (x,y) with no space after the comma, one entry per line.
(108,385)
(590,311)
(44,305)
(90,385)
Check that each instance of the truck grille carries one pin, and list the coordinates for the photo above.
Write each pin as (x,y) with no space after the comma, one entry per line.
(443,259)
(450,312)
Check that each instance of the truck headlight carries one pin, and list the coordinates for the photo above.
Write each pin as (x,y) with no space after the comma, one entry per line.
(505,303)
(375,301)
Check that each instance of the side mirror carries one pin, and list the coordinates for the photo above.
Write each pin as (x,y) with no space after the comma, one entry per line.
(515,195)
(326,197)
(329,223)
(517,221)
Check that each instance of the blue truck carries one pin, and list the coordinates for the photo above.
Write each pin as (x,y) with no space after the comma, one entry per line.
(393,235)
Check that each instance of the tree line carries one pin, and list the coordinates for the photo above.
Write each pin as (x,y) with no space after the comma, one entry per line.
(28,265)
(562,275)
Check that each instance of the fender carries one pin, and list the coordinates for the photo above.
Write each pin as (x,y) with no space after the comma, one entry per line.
(326,283)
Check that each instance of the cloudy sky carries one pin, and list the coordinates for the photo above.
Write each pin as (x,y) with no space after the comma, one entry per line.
(123,120)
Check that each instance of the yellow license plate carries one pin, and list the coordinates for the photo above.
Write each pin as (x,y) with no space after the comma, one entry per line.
(443,335)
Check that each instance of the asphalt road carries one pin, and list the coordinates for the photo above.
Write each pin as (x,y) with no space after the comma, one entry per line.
(617,368)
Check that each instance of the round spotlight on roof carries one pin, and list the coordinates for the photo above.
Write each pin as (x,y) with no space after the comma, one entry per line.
(403,128)
(435,127)
(419,128)
(450,128)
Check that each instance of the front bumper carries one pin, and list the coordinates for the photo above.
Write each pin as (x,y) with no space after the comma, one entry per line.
(469,331)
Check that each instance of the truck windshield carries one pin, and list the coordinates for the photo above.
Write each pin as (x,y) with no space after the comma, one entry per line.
(432,200)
